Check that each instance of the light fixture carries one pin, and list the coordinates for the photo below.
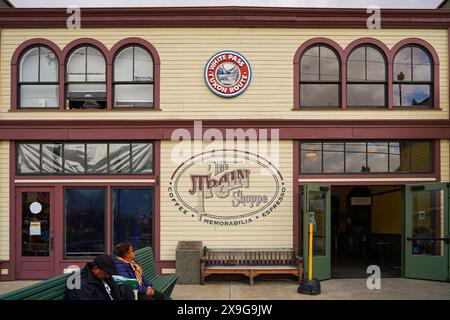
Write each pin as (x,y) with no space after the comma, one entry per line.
(311,155)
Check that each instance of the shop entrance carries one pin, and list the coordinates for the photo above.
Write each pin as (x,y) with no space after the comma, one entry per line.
(34,233)
(366,229)
(402,229)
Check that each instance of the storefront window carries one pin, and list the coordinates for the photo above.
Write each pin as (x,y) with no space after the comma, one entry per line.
(133,216)
(85,221)
(367,157)
(85,158)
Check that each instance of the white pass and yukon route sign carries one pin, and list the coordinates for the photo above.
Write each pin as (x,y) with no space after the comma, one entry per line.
(228,74)
(226,187)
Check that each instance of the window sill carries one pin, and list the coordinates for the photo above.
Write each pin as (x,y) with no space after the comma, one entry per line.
(365,108)
(82,110)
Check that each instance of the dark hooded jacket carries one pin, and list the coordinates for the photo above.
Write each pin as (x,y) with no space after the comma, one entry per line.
(93,289)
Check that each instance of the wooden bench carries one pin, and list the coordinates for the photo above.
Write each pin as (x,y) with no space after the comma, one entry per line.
(55,288)
(251,262)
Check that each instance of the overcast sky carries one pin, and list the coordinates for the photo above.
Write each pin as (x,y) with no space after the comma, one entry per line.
(266,3)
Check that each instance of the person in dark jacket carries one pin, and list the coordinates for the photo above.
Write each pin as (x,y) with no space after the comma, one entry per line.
(97,282)
(126,267)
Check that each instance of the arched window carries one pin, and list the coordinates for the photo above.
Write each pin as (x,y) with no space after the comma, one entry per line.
(38,85)
(133,80)
(86,79)
(366,77)
(320,84)
(412,78)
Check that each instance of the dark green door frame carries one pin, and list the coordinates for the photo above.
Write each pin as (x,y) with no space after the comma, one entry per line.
(317,200)
(427,239)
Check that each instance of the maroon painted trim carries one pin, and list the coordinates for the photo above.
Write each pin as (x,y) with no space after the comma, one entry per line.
(435,60)
(298,54)
(437,161)
(6,264)
(296,213)
(156,65)
(157,215)
(166,264)
(387,56)
(162,129)
(96,44)
(224,16)
(12,212)
(15,59)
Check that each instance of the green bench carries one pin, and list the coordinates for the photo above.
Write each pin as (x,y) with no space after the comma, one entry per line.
(55,288)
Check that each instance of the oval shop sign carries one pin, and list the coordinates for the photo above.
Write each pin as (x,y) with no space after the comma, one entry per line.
(226,187)
(228,74)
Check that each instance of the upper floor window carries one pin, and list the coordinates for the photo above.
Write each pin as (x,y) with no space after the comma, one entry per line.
(38,85)
(320,84)
(366,78)
(86,79)
(412,78)
(133,78)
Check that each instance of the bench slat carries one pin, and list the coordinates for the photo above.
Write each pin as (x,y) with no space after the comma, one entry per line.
(261,260)
(55,288)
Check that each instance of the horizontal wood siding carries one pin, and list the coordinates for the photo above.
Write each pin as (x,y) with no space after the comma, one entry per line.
(445,160)
(184,52)
(275,230)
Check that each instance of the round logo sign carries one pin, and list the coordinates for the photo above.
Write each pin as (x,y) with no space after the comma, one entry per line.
(228,74)
(227,187)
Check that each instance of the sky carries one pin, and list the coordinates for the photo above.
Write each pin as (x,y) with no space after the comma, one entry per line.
(265,3)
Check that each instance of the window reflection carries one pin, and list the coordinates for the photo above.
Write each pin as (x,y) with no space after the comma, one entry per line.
(133,214)
(367,157)
(319,77)
(85,219)
(412,77)
(366,78)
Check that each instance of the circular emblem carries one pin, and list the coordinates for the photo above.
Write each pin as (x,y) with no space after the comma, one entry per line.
(228,74)
(226,187)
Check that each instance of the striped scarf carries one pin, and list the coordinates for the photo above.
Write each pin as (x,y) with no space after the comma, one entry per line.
(135,267)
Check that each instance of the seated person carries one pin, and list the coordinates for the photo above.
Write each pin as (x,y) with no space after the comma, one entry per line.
(97,282)
(126,267)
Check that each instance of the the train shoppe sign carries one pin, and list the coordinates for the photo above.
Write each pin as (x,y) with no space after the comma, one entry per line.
(226,187)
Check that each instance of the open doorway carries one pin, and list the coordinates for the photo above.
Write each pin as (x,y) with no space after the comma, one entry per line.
(366,230)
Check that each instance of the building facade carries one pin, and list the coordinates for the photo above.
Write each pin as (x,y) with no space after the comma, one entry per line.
(348,123)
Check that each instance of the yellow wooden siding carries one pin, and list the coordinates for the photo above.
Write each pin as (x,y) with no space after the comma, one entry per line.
(274,230)
(4,200)
(184,52)
(445,160)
